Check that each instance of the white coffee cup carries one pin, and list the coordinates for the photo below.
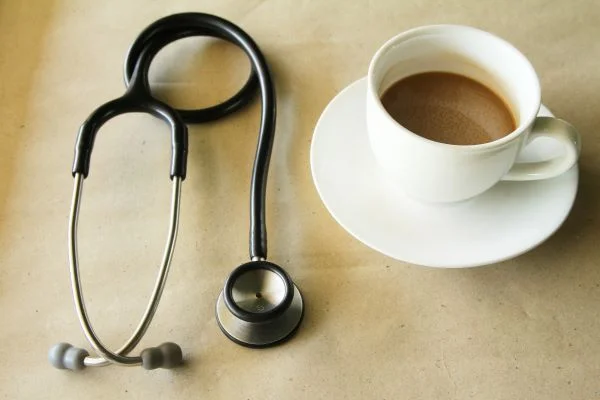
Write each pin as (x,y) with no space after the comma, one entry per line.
(437,172)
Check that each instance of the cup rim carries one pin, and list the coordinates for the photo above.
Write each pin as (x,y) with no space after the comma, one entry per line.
(414,32)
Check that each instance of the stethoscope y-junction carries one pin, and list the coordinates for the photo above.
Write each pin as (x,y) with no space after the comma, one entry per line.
(259,305)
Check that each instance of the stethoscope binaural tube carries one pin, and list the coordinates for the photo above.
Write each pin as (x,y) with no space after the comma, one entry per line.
(138,98)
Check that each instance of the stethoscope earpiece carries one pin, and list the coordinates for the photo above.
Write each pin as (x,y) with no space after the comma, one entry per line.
(259,306)
(65,356)
(168,355)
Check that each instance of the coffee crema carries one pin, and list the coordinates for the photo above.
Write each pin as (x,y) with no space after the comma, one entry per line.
(448,108)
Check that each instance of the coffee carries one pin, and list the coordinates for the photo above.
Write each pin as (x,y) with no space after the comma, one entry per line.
(448,108)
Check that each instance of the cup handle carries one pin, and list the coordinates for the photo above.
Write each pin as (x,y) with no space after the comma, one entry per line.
(556,129)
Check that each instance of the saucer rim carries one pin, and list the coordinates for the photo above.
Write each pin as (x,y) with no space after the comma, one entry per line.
(490,261)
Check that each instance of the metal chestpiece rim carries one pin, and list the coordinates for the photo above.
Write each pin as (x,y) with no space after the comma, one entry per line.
(269,319)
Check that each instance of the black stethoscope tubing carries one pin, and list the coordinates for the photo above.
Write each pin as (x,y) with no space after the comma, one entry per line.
(139,98)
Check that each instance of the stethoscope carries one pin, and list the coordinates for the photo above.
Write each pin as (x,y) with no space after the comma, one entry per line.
(259,305)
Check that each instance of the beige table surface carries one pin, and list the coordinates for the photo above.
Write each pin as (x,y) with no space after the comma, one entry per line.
(375,328)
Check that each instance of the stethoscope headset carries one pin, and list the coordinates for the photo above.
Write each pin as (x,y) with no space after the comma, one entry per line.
(259,305)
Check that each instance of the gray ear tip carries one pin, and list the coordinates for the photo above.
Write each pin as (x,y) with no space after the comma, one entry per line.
(172,355)
(167,355)
(151,358)
(56,354)
(65,356)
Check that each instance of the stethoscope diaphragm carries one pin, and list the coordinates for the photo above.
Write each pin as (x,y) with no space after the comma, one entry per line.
(259,306)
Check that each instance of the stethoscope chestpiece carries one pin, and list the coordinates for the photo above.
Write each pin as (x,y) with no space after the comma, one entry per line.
(259,306)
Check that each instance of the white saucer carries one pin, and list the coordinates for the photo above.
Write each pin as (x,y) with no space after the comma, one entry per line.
(507,220)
